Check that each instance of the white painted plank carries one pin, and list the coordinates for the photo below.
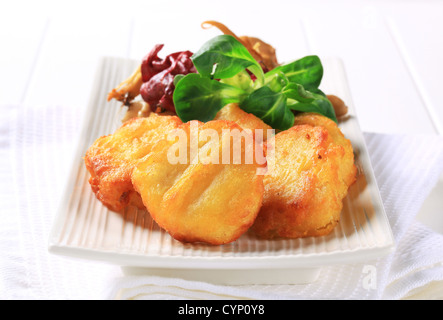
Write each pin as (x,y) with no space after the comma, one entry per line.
(69,56)
(182,31)
(384,93)
(20,43)
(418,32)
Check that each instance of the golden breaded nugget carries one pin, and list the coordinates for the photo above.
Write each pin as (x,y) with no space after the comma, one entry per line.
(232,112)
(111,159)
(347,168)
(201,201)
(303,190)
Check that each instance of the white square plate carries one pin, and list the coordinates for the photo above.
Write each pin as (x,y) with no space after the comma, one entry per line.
(85,228)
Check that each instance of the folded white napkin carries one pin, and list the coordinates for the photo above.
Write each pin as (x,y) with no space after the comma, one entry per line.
(36,144)
(36,148)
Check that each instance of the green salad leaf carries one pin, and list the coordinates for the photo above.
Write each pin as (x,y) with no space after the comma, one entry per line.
(223,64)
(223,57)
(200,98)
(307,71)
(241,80)
(269,106)
(304,101)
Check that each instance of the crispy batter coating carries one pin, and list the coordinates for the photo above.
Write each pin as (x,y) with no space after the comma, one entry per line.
(347,168)
(232,112)
(200,201)
(304,191)
(111,159)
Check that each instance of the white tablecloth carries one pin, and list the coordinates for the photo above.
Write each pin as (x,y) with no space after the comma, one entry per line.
(37,143)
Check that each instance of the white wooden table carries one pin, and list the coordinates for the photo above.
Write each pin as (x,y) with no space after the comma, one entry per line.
(392,51)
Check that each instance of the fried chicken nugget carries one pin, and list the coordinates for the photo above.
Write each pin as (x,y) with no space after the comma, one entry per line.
(347,168)
(304,191)
(232,112)
(112,158)
(201,201)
